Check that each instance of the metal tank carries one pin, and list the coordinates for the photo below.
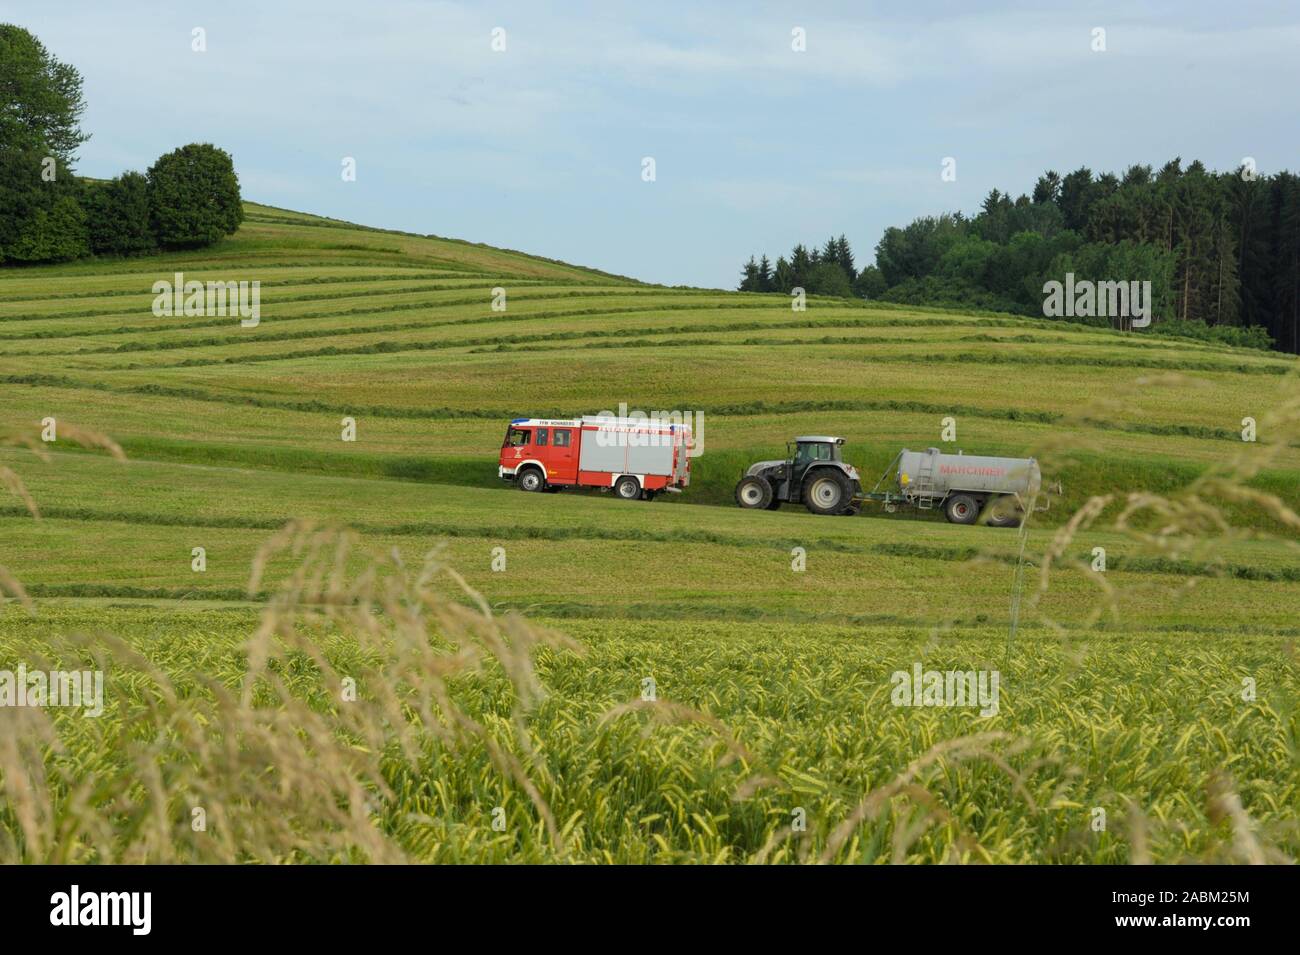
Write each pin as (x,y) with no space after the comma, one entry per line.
(933,474)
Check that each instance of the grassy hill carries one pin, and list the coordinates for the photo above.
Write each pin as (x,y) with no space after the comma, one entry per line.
(1121,690)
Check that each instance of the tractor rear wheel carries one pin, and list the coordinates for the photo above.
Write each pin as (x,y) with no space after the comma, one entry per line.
(530,479)
(961,509)
(828,492)
(628,488)
(754,492)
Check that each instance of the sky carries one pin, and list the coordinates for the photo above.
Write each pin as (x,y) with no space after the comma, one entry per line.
(756,145)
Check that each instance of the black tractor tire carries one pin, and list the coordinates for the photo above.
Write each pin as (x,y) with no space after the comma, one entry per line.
(754,492)
(530,479)
(628,488)
(827,491)
(1004,511)
(961,509)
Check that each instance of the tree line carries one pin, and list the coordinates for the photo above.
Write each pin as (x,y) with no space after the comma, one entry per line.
(187,199)
(1221,251)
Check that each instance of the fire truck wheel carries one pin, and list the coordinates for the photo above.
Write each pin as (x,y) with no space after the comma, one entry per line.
(754,492)
(530,479)
(961,509)
(628,488)
(828,492)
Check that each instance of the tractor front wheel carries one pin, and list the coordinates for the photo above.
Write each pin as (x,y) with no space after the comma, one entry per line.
(828,493)
(754,492)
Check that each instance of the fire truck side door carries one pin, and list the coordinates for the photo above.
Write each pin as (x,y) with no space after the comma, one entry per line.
(563,459)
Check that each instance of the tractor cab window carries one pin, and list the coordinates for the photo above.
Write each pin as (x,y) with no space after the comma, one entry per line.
(814,452)
(516,437)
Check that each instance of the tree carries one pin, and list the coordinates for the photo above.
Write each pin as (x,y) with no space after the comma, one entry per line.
(844,256)
(827,278)
(1078,192)
(749,277)
(1048,187)
(914,251)
(783,276)
(40,98)
(194,196)
(764,275)
(1286,258)
(801,264)
(118,214)
(870,283)
(41,219)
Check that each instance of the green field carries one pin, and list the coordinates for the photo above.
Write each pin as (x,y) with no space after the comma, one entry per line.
(1161,691)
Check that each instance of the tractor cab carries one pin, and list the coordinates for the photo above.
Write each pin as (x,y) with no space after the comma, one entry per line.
(812,449)
(808,452)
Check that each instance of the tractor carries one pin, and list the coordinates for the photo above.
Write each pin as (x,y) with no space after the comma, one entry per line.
(813,475)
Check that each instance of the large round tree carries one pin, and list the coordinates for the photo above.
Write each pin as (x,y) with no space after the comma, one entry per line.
(40,104)
(40,97)
(194,196)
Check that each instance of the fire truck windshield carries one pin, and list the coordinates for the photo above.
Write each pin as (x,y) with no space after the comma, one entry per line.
(516,437)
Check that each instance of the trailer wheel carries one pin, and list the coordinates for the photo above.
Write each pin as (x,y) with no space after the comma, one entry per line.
(828,493)
(754,492)
(961,509)
(1004,511)
(530,479)
(628,488)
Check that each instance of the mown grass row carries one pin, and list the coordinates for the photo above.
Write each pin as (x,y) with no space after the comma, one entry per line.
(735,410)
(969,358)
(523,282)
(593,532)
(498,345)
(264,337)
(422,274)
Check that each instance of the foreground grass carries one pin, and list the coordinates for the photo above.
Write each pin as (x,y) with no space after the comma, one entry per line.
(1150,728)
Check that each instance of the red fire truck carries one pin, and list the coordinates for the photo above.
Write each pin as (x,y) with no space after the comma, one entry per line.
(635,457)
